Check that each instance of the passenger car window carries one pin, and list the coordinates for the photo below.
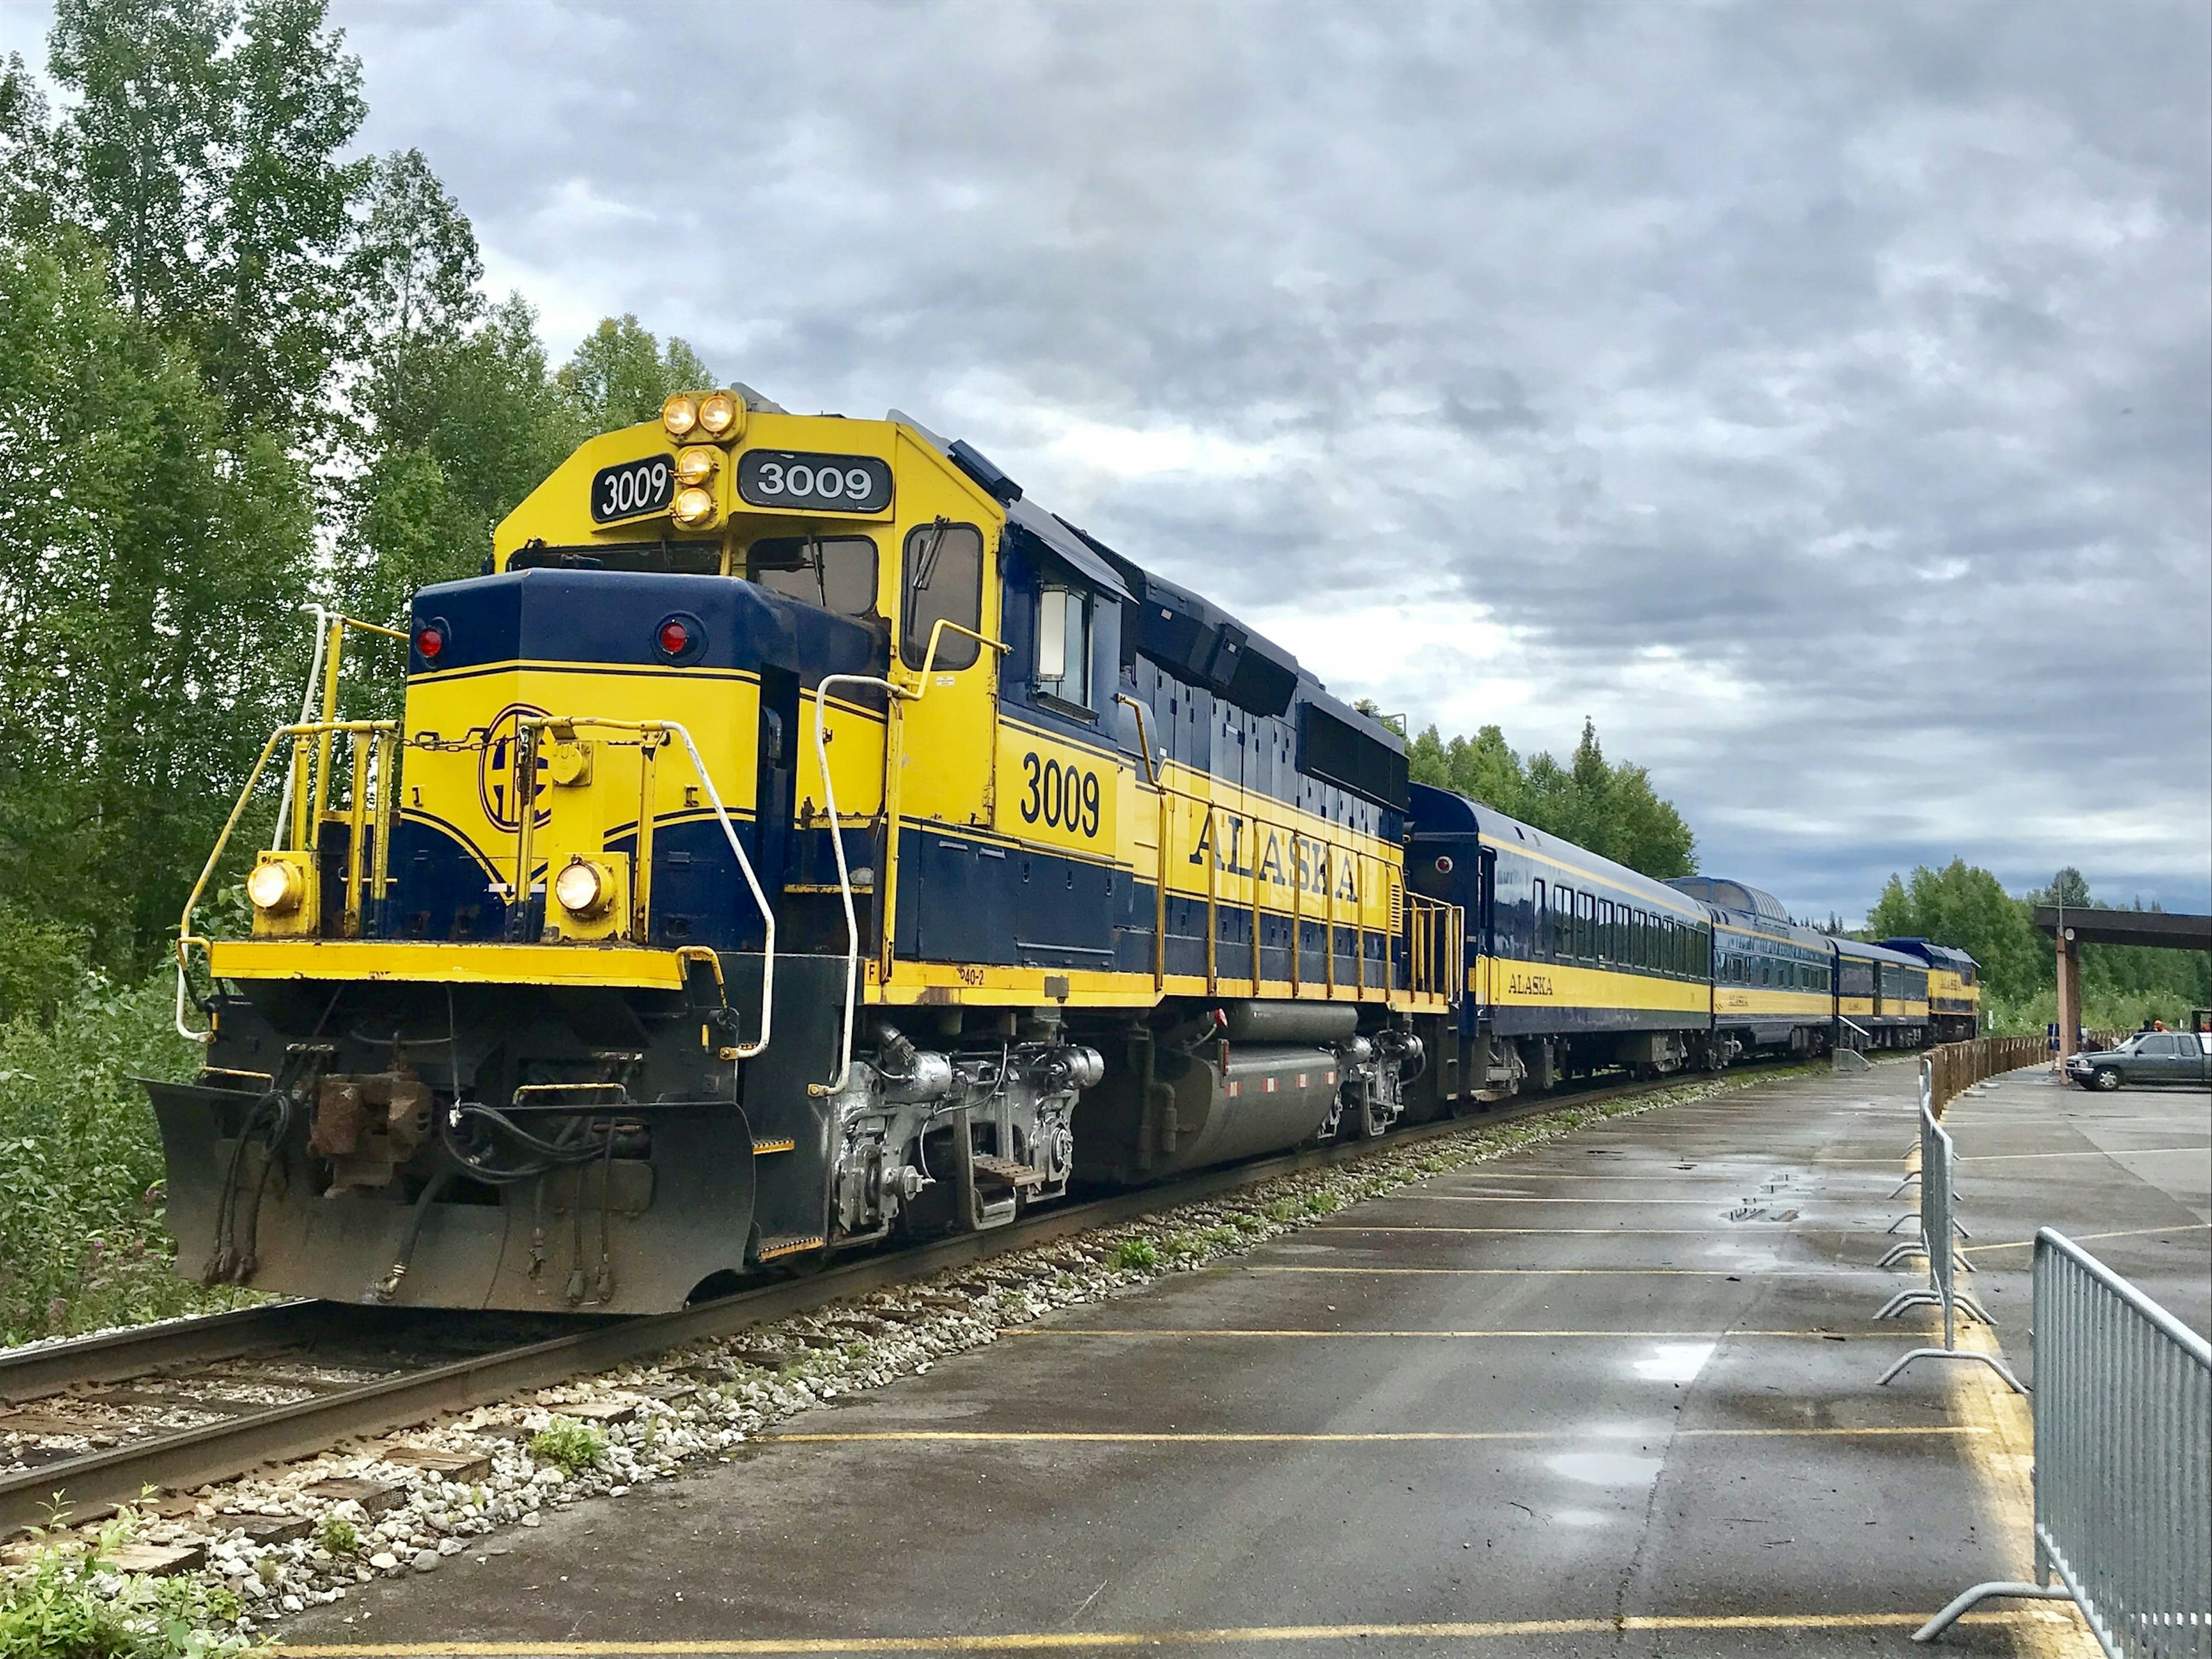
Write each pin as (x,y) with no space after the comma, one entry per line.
(838,572)
(1538,933)
(943,581)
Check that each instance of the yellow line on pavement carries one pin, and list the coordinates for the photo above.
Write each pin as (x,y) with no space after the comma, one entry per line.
(1561,1232)
(1535,1198)
(1199,1438)
(2084,1238)
(1670,1175)
(1675,1336)
(1078,1641)
(2095,1152)
(1816,1268)
(2001,1455)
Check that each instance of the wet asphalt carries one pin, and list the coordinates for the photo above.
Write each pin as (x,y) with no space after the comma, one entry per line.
(1614,1395)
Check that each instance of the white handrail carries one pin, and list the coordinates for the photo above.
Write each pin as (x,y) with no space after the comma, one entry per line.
(183,1030)
(745,1050)
(306,712)
(844,876)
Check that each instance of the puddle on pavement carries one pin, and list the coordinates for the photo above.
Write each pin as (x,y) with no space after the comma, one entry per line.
(1578,1518)
(1675,1362)
(1601,1468)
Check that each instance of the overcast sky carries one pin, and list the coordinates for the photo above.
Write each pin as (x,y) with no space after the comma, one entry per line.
(1820,397)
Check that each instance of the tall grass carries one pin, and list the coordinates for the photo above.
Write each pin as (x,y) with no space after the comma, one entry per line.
(2102,1009)
(82,1241)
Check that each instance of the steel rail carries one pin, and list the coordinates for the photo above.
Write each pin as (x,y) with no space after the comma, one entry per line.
(89,1485)
(28,1374)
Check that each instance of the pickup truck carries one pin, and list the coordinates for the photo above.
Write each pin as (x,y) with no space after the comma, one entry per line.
(2182,1057)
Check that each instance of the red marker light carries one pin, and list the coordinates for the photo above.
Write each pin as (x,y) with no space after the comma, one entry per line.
(429,642)
(674,637)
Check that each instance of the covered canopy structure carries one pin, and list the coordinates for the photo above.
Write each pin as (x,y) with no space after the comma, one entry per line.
(2069,927)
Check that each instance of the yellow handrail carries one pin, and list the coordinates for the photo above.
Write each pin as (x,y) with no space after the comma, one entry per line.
(299,731)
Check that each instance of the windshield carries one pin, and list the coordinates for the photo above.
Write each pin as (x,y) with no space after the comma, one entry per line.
(838,572)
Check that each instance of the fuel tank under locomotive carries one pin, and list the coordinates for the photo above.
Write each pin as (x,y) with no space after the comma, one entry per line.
(1240,1080)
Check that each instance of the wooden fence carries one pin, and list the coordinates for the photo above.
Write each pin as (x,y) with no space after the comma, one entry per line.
(1955,1067)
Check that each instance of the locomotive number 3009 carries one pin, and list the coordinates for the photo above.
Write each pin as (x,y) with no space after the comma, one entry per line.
(630,488)
(1064,797)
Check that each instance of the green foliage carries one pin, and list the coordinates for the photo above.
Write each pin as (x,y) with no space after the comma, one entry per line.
(338,1535)
(1322,1203)
(467,422)
(80,1166)
(1964,906)
(1610,810)
(568,1444)
(77,1606)
(1136,1255)
(27,156)
(204,152)
(620,375)
(147,560)
(41,962)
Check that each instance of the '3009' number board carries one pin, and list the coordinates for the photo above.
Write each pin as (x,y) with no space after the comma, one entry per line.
(628,489)
(828,483)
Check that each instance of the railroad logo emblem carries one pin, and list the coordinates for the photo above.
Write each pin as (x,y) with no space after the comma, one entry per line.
(497,787)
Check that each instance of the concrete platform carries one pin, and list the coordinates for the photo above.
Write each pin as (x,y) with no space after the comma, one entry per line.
(1611,1395)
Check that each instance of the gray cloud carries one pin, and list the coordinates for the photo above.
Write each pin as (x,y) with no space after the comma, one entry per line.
(1819,396)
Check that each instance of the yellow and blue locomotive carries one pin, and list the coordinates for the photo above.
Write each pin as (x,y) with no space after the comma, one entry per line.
(794,839)
(1954,992)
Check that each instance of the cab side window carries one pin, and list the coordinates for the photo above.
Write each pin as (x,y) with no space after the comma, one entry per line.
(1063,646)
(943,582)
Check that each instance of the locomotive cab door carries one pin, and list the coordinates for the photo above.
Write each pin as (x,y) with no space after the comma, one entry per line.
(952,901)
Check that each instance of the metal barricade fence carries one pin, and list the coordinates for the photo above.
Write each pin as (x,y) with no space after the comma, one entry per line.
(2122,1462)
(1938,1240)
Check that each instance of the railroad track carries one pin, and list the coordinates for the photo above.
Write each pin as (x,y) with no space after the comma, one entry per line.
(205,1400)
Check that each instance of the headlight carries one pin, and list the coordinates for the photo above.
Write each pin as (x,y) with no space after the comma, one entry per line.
(679,414)
(274,887)
(581,888)
(694,506)
(698,463)
(720,413)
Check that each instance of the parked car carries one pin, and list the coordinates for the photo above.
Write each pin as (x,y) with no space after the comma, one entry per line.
(2182,1057)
